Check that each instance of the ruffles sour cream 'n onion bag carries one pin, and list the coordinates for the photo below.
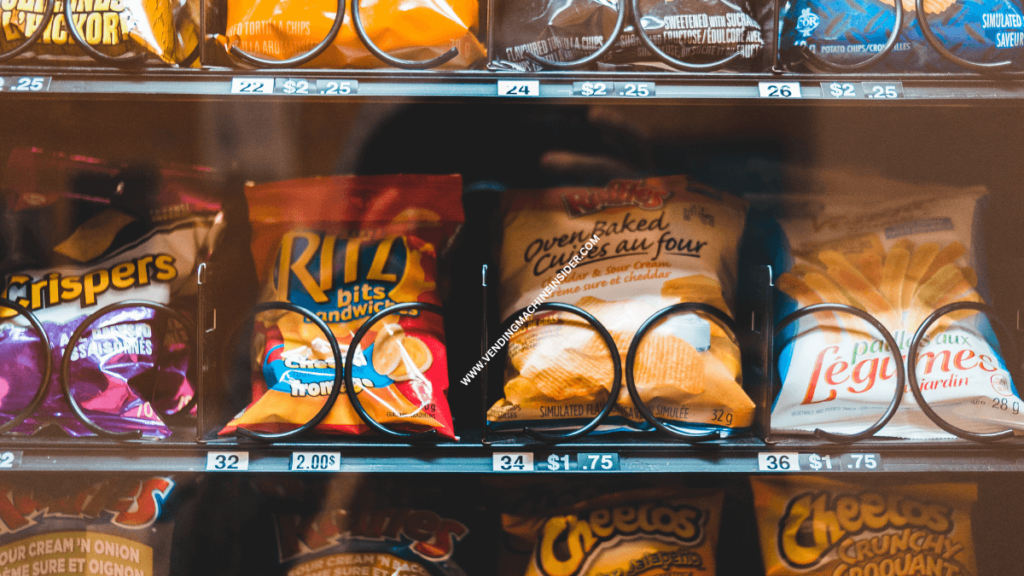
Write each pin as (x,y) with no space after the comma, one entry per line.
(345,248)
(899,257)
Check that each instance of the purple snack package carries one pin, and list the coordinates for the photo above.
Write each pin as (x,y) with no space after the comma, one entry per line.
(79,235)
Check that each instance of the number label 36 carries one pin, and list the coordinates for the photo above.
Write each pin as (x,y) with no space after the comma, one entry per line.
(778,462)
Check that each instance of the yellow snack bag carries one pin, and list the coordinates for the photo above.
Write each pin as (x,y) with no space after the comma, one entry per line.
(660,532)
(621,253)
(817,526)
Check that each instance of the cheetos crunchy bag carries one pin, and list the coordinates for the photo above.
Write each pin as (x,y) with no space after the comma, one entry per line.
(81,234)
(654,532)
(165,30)
(621,252)
(822,527)
(898,252)
(345,248)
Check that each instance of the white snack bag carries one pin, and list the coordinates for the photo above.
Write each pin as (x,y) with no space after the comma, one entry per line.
(898,257)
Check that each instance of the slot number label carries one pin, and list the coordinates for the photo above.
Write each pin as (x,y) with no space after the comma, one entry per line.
(252,85)
(25,84)
(512,462)
(227,461)
(620,89)
(783,90)
(10,459)
(778,462)
(519,88)
(583,462)
(315,461)
(337,87)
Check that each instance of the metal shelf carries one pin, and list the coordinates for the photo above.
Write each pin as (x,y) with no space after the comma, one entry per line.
(660,87)
(634,455)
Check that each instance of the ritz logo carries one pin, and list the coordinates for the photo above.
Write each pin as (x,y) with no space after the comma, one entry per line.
(586,201)
(816,523)
(566,542)
(133,505)
(807,22)
(432,536)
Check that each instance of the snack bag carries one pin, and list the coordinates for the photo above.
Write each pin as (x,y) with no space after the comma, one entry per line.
(693,31)
(416,30)
(69,525)
(851,31)
(80,235)
(346,248)
(349,525)
(898,257)
(655,532)
(816,526)
(622,253)
(165,29)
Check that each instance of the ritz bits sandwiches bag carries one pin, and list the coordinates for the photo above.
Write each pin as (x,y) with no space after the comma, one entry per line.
(164,29)
(81,234)
(69,525)
(654,532)
(659,242)
(350,525)
(898,258)
(822,527)
(346,248)
(407,29)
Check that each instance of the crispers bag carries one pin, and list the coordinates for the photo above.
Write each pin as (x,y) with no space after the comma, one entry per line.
(345,248)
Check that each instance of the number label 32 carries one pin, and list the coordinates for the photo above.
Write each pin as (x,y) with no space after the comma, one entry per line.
(227,461)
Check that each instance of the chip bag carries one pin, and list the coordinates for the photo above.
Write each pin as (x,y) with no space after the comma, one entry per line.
(351,525)
(899,257)
(622,253)
(851,31)
(82,234)
(164,29)
(68,525)
(346,248)
(410,30)
(816,526)
(694,31)
(656,532)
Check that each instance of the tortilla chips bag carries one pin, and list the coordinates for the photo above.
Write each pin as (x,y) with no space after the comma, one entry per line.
(81,234)
(622,253)
(345,248)
(898,257)
(655,532)
(817,526)
(164,29)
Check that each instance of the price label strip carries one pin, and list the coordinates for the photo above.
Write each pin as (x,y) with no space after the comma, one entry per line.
(882,90)
(295,87)
(10,459)
(519,88)
(860,90)
(315,461)
(250,86)
(792,462)
(783,90)
(512,462)
(25,84)
(618,89)
(583,462)
(227,461)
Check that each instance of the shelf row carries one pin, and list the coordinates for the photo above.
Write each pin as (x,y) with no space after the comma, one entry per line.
(594,87)
(981,38)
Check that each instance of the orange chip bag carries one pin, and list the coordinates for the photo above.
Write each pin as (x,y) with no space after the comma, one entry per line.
(414,30)
(346,248)
(817,526)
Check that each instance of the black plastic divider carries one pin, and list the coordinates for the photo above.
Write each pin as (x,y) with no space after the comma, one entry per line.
(1012,360)
(894,349)
(755,302)
(44,384)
